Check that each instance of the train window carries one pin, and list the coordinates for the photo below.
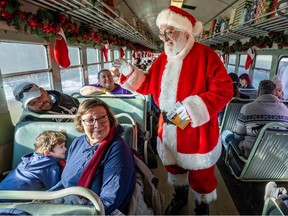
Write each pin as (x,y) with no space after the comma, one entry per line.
(92,55)
(22,62)
(71,78)
(117,54)
(128,55)
(231,63)
(94,64)
(241,68)
(283,74)
(17,57)
(262,69)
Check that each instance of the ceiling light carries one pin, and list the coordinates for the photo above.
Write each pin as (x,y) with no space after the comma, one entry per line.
(177,3)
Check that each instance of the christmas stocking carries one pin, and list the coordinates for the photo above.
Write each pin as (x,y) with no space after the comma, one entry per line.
(61,53)
(250,56)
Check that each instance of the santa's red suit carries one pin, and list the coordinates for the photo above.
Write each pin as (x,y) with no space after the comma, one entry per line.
(197,78)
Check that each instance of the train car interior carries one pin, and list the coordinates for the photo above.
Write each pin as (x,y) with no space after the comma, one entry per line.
(96,33)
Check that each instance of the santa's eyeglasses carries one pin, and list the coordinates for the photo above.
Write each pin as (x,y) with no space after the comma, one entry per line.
(167,33)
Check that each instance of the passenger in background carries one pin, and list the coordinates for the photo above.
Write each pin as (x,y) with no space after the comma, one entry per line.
(253,116)
(105,85)
(38,100)
(245,81)
(237,94)
(100,159)
(42,168)
(279,87)
(271,190)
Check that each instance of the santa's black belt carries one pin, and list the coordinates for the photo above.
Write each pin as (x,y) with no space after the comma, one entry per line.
(165,119)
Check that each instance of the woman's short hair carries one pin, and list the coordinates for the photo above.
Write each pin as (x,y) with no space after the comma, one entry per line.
(91,103)
(47,140)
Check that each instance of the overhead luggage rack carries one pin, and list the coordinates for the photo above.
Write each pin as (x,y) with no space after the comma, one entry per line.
(277,22)
(100,16)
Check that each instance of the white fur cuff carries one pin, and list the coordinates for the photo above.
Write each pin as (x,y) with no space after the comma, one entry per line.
(197,110)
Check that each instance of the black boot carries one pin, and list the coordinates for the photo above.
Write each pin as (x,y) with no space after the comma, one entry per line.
(180,199)
(201,209)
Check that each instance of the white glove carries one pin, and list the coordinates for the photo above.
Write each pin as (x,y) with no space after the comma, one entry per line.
(123,66)
(183,113)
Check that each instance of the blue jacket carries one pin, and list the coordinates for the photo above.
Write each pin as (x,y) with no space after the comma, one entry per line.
(113,182)
(36,171)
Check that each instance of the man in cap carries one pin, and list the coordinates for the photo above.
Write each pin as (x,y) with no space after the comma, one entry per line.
(38,100)
(193,75)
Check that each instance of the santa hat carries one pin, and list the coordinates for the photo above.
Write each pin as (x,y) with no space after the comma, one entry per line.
(61,50)
(277,82)
(180,19)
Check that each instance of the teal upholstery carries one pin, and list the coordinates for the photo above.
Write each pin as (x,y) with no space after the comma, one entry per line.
(134,105)
(231,113)
(27,131)
(268,158)
(274,206)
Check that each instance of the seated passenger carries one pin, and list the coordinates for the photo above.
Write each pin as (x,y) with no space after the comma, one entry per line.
(105,85)
(100,159)
(245,81)
(38,100)
(237,94)
(271,190)
(253,116)
(279,87)
(42,168)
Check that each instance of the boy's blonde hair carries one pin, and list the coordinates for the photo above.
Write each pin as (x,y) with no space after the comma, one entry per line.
(48,139)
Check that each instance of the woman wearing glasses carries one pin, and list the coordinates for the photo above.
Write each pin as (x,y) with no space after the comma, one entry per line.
(100,159)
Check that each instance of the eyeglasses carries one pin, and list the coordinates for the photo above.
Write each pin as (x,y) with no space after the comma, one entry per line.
(167,33)
(91,121)
(20,95)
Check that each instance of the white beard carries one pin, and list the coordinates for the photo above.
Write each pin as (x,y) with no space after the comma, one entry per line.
(178,45)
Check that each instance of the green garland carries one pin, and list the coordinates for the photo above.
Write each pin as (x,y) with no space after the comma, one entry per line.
(280,38)
(45,24)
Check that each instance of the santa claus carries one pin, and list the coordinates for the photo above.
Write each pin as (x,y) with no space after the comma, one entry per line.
(193,75)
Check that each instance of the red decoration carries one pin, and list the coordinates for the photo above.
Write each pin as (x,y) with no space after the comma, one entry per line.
(250,56)
(105,51)
(61,50)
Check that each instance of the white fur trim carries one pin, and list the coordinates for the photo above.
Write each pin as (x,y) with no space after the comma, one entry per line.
(135,80)
(178,179)
(200,161)
(171,18)
(167,149)
(169,156)
(197,28)
(170,77)
(197,110)
(205,198)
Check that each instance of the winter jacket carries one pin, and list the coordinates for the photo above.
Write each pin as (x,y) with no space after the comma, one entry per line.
(36,171)
(115,178)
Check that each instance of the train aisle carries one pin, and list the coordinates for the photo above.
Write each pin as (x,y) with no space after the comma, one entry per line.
(223,206)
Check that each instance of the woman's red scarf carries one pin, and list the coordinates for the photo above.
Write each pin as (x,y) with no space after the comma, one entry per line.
(87,175)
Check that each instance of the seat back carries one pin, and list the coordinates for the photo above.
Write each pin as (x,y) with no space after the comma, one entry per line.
(34,208)
(27,131)
(268,158)
(231,113)
(274,206)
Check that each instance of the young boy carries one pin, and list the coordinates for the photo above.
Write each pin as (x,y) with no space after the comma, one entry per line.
(42,168)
